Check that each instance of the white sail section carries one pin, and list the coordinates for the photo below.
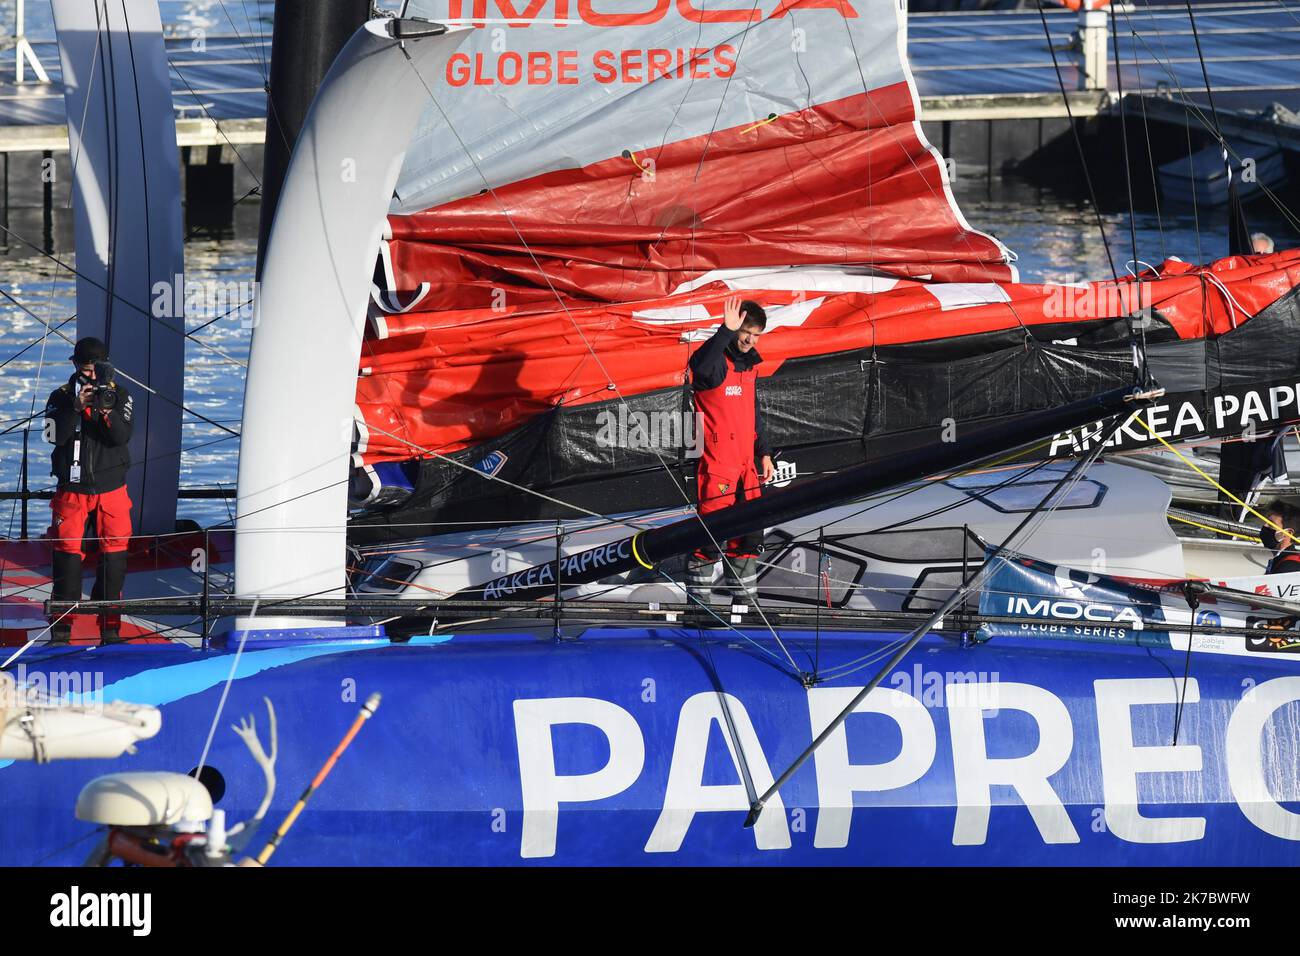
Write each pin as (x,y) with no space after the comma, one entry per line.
(130,244)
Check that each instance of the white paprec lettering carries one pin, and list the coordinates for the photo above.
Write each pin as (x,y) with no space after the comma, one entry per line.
(1122,760)
(686,795)
(838,780)
(543,789)
(975,772)
(1244,746)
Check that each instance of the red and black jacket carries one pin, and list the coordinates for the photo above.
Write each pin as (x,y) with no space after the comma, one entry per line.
(1284,562)
(104,436)
(711,366)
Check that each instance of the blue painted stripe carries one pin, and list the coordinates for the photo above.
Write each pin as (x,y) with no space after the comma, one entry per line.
(166,685)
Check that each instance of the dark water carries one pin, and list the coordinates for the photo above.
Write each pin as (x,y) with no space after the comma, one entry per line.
(1057,238)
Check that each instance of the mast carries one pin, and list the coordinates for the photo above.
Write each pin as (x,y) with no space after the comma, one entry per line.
(130,244)
(300,396)
(308,36)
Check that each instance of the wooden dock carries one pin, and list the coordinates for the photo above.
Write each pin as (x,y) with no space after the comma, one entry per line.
(969,67)
(1235,125)
(189,132)
(251,132)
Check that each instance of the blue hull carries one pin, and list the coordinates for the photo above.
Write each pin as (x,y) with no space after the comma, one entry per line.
(514,749)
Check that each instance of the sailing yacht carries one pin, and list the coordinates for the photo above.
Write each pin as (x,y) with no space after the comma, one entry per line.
(493,231)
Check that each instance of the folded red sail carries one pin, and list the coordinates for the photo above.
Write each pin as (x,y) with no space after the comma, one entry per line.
(442,381)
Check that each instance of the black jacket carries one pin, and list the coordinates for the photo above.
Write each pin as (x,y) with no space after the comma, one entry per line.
(104,437)
(709,370)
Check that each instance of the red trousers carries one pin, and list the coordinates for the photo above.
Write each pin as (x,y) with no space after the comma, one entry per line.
(721,485)
(112,511)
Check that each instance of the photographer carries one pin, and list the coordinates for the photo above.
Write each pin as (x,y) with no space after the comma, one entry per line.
(89,422)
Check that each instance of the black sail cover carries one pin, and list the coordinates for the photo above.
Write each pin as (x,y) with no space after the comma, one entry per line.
(827,412)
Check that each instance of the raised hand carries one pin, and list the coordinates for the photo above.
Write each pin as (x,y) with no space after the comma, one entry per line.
(732,317)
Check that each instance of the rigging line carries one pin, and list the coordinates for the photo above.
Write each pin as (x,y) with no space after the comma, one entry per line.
(733,738)
(144,173)
(49,627)
(77,151)
(590,349)
(229,312)
(1196,203)
(99,37)
(1187,123)
(472,549)
(1192,465)
(206,112)
(691,599)
(708,140)
(858,663)
(1193,111)
(1210,122)
(225,692)
(1123,125)
(19,422)
(68,846)
(1209,89)
(40,369)
(663,141)
(915,637)
(198,230)
(573,320)
(35,342)
(1151,161)
(1282,4)
(494,478)
(259,54)
(1041,516)
(1078,142)
(112,295)
(112,136)
(73,317)
(1014,477)
(888,497)
(1193,603)
(134,381)
(1141,373)
(967,233)
(451,461)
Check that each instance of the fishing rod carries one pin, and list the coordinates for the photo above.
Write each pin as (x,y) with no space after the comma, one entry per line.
(367,711)
(648,548)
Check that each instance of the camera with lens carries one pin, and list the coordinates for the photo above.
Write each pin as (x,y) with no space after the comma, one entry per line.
(103,395)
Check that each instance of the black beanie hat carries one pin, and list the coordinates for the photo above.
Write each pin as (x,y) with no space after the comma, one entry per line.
(89,350)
